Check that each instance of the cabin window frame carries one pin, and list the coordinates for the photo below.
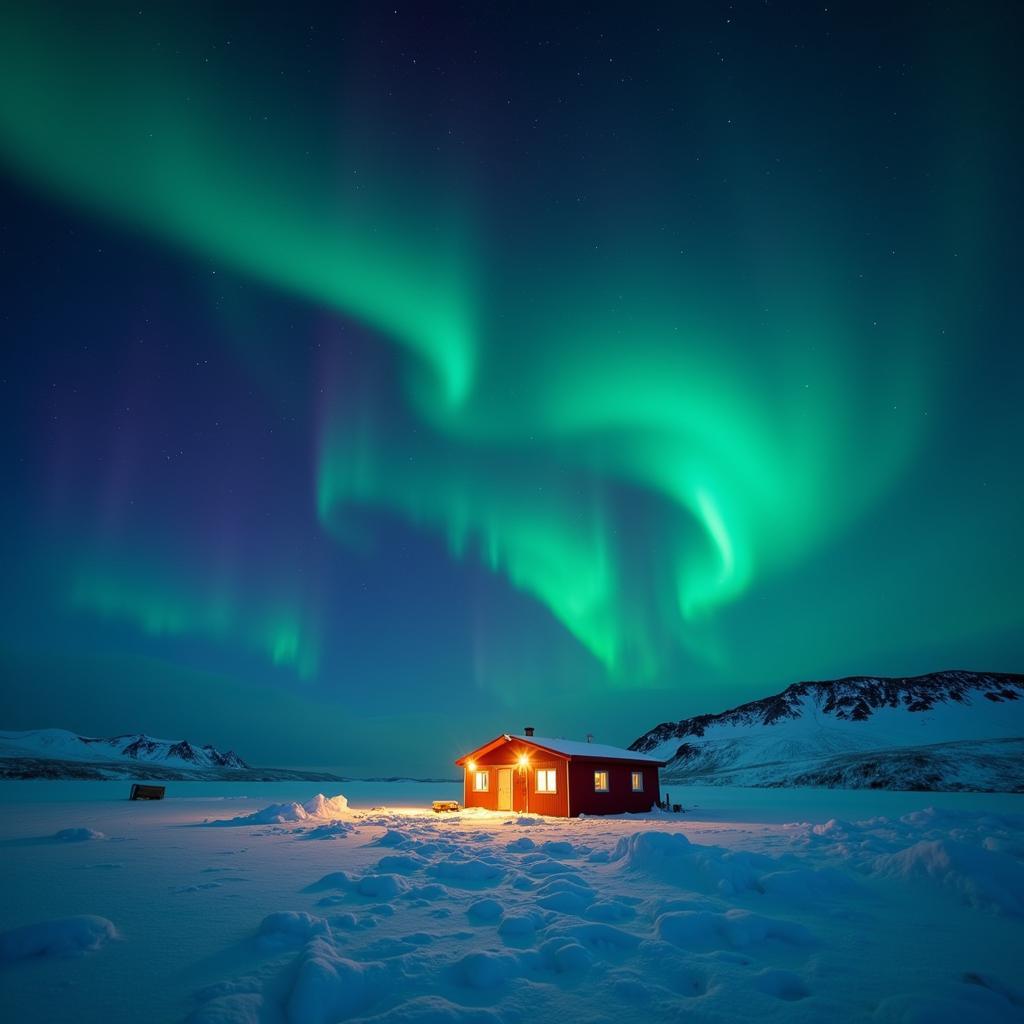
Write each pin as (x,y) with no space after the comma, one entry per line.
(550,780)
(636,779)
(481,780)
(607,787)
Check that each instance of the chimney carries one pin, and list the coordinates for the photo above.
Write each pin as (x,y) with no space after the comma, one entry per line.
(590,737)
(528,730)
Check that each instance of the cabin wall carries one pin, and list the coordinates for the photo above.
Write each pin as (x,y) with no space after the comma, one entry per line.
(574,783)
(525,797)
(620,798)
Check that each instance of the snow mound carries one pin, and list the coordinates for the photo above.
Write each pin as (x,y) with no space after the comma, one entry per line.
(609,911)
(68,936)
(737,928)
(329,987)
(320,808)
(983,878)
(949,1005)
(392,837)
(402,864)
(559,850)
(602,937)
(230,1008)
(670,856)
(291,926)
(332,830)
(564,955)
(325,806)
(428,893)
(652,850)
(805,886)
(381,887)
(434,1010)
(456,924)
(566,902)
(521,845)
(485,910)
(77,835)
(471,870)
(515,926)
(487,969)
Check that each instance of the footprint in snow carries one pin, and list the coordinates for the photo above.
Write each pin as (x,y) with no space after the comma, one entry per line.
(195,888)
(783,985)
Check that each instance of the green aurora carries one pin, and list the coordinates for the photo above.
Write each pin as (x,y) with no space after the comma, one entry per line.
(647,391)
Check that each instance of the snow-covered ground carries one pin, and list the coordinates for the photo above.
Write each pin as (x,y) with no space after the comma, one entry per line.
(802,905)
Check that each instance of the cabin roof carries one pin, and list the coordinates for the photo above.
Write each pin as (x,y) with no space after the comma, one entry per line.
(568,749)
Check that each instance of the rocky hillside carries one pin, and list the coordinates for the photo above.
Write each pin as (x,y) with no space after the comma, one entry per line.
(953,730)
(60,754)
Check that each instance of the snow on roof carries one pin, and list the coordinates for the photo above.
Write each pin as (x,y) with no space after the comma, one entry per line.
(576,748)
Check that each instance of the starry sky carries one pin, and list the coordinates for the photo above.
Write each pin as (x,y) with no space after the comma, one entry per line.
(378,379)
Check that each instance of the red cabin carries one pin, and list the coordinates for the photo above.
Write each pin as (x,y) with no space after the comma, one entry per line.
(563,778)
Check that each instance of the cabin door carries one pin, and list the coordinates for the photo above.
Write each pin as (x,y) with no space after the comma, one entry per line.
(504,789)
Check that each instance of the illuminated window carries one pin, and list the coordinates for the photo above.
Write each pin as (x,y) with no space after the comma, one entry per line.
(481,782)
(546,780)
(600,782)
(638,782)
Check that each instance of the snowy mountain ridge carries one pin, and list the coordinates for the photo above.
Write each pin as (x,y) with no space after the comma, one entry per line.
(954,730)
(60,744)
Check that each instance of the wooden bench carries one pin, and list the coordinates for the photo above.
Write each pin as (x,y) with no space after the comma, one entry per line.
(440,806)
(140,792)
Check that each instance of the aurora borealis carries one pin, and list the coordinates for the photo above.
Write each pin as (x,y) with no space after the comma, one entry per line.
(428,370)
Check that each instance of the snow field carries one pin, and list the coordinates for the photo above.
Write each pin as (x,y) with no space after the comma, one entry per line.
(410,917)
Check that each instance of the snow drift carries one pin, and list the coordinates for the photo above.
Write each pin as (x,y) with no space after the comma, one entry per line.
(66,937)
(320,809)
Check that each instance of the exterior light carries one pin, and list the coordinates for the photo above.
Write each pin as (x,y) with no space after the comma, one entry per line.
(471,766)
(523,760)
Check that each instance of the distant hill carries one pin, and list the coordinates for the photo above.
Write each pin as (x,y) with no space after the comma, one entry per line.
(59,754)
(952,730)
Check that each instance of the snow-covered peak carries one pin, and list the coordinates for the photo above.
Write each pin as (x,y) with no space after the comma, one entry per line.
(866,698)
(811,731)
(60,744)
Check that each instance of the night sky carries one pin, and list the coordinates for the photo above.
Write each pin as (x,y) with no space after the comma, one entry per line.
(378,380)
